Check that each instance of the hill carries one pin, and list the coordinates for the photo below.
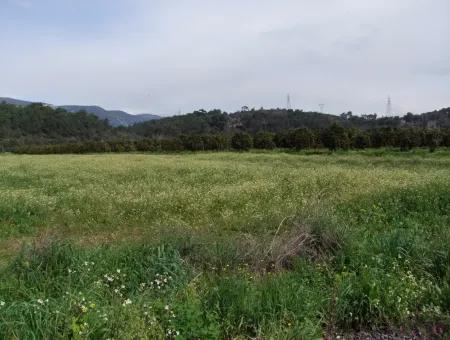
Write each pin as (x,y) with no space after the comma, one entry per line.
(114,117)
(216,121)
(38,123)
(279,120)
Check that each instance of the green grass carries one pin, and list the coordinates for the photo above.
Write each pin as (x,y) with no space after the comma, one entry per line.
(269,244)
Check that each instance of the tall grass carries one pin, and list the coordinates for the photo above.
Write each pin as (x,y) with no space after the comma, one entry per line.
(208,246)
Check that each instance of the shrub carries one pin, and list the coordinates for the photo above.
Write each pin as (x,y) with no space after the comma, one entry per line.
(241,142)
(335,137)
(302,139)
(264,140)
(361,141)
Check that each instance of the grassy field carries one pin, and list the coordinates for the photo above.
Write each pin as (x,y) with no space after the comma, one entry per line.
(224,245)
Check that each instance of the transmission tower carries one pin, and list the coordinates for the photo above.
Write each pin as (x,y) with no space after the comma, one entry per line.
(288,102)
(321,107)
(389,107)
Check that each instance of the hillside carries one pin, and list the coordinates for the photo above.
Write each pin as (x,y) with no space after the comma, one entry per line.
(38,123)
(114,117)
(216,121)
(278,120)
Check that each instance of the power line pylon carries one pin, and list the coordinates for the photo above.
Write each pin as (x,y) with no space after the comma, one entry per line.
(389,107)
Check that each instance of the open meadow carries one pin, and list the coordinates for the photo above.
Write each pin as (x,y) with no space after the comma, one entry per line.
(224,245)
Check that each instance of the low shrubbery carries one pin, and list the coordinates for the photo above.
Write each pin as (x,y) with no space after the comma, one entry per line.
(335,137)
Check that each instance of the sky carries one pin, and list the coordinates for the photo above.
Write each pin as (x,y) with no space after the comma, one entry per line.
(175,56)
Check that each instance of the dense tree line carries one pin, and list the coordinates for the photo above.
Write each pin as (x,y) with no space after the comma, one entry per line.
(38,123)
(335,137)
(279,120)
(39,128)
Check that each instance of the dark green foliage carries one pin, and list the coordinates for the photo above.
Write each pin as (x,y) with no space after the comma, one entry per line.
(241,142)
(173,145)
(216,142)
(41,129)
(193,142)
(147,145)
(361,140)
(198,122)
(41,122)
(405,140)
(446,137)
(280,120)
(433,139)
(302,139)
(264,140)
(336,137)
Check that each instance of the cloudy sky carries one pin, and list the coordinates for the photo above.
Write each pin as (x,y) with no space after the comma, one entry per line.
(165,56)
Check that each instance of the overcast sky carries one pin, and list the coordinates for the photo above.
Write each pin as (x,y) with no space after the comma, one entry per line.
(162,56)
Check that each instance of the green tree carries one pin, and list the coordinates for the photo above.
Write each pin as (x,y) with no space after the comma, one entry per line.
(264,140)
(335,137)
(241,141)
(361,140)
(433,139)
(302,139)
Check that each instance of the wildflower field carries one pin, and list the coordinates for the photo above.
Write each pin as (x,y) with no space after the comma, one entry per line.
(265,245)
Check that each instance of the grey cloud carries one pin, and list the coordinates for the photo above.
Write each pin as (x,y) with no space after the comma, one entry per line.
(347,54)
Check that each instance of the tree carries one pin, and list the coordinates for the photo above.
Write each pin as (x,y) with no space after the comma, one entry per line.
(361,140)
(241,141)
(335,137)
(193,142)
(432,138)
(302,139)
(446,137)
(264,140)
(404,140)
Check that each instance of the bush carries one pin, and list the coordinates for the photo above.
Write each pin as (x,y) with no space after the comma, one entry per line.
(241,142)
(361,141)
(302,139)
(335,137)
(264,140)
(193,142)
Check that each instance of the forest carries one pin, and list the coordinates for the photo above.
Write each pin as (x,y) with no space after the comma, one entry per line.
(42,129)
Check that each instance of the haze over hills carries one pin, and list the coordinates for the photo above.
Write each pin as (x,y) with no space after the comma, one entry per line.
(114,117)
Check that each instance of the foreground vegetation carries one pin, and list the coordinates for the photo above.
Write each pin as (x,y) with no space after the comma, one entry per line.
(224,245)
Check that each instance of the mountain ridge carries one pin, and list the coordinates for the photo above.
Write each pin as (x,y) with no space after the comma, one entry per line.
(114,117)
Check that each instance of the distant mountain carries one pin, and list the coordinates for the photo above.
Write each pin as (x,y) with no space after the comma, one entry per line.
(13,101)
(114,117)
